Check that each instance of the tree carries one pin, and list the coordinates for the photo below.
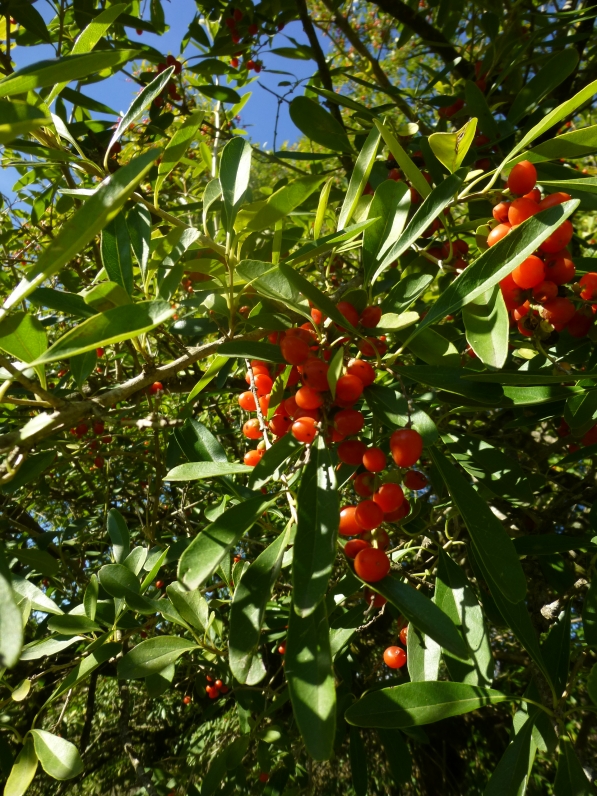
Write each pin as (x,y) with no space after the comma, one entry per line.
(297,479)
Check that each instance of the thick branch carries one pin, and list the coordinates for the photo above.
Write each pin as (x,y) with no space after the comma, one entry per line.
(74,412)
(432,37)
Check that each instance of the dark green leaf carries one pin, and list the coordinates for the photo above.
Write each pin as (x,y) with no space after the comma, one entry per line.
(11,623)
(452,380)
(556,650)
(220,93)
(391,408)
(318,124)
(571,779)
(116,253)
(60,300)
(389,208)
(270,464)
(119,535)
(589,613)
(318,507)
(152,656)
(554,72)
(29,471)
(397,754)
(511,773)
(252,350)
(358,762)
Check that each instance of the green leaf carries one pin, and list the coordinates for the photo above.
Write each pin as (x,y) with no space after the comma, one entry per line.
(90,597)
(19,119)
(138,222)
(311,292)
(23,336)
(119,535)
(167,259)
(359,178)
(191,605)
(184,136)
(492,544)
(198,443)
(487,327)
(477,105)
(23,770)
(47,646)
(451,148)
(106,328)
(37,559)
(397,754)
(571,145)
(105,296)
(270,464)
(429,210)
(11,623)
(512,771)
(89,37)
(116,253)
(431,347)
(407,290)
(390,206)
(215,367)
(252,350)
(358,762)
(335,370)
(589,613)
(235,169)
(423,656)
(120,582)
(152,656)
(391,408)
(318,124)
(452,380)
(219,93)
(66,69)
(30,471)
(314,248)
(59,758)
(310,678)
(138,106)
(83,669)
(279,205)
(497,262)
(556,650)
(38,599)
(248,610)
(571,779)
(412,172)
(414,704)
(550,543)
(30,18)
(198,470)
(73,624)
(552,74)
(318,508)
(82,366)
(423,613)
(60,300)
(592,684)
(85,224)
(455,596)
(202,557)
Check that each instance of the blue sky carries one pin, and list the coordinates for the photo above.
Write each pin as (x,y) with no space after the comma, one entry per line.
(258,115)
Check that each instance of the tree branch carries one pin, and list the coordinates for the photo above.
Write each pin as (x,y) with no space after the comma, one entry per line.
(432,37)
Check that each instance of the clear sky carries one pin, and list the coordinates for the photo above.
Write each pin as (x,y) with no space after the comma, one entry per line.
(258,115)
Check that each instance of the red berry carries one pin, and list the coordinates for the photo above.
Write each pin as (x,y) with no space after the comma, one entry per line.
(348,522)
(544,291)
(99,462)
(349,422)
(253,29)
(156,387)
(315,374)
(307,398)
(530,273)
(101,351)
(580,324)
(234,63)
(251,429)
(294,350)
(81,429)
(374,460)
(187,700)
(372,564)
(370,316)
(279,424)
(98,427)
(500,212)
(415,480)
(317,315)
(258,370)
(159,584)
(513,295)
(282,648)
(394,657)
(389,497)
(212,691)
(237,14)
(349,312)
(250,62)
(354,546)
(362,370)
(406,445)
(404,635)
(364,485)
(373,598)
(304,429)
(348,389)
(263,776)
(401,512)
(497,233)
(263,384)
(554,199)
(534,195)
(351,451)
(520,210)
(558,239)
(589,285)
(560,270)
(372,346)
(368,515)
(252,457)
(522,178)
(246,401)
(558,312)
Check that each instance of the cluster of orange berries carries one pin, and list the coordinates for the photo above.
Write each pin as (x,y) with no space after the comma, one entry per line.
(98,429)
(252,30)
(535,289)
(214,688)
(311,408)
(395,657)
(170,90)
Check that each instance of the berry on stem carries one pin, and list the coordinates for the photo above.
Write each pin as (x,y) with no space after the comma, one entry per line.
(394,657)
(406,445)
(372,565)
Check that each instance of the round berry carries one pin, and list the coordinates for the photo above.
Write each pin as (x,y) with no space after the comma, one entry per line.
(186,700)
(156,387)
(406,445)
(253,457)
(520,210)
(580,324)
(362,370)
(251,429)
(349,312)
(348,522)
(404,635)
(304,429)
(401,512)
(558,312)
(588,283)
(307,398)
(263,775)
(364,485)
(544,291)
(371,316)
(351,451)
(294,350)
(500,212)
(415,480)
(349,421)
(348,389)
(246,401)
(372,565)
(354,546)
(560,270)
(529,273)
(263,384)
(374,460)
(554,199)
(497,233)
(368,515)
(558,239)
(394,657)
(279,424)
(522,178)
(98,427)
(315,374)
(389,497)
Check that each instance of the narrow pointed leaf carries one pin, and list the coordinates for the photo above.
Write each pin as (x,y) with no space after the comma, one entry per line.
(571,779)
(359,177)
(511,774)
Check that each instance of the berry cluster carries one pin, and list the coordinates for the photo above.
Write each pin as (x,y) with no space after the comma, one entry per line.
(98,429)
(170,90)
(214,688)
(395,657)
(248,34)
(534,292)
(310,408)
